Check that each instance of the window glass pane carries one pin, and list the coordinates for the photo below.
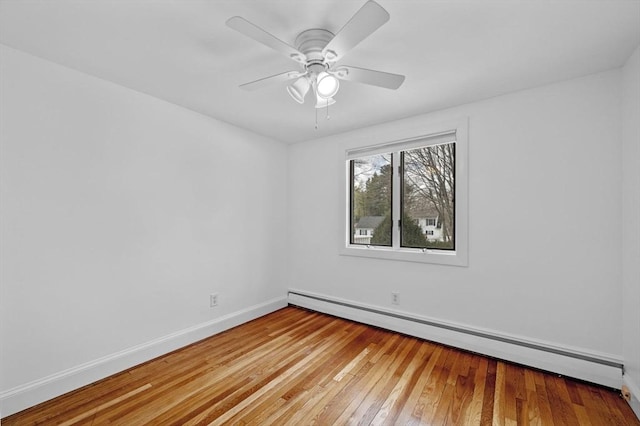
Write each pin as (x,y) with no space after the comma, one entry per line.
(428,188)
(371,200)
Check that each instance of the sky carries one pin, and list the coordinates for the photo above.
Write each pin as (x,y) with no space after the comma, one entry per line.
(365,167)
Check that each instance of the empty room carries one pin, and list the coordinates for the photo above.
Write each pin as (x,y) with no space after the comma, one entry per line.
(320,212)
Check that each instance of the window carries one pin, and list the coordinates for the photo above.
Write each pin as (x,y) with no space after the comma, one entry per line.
(411,195)
(371,198)
(428,186)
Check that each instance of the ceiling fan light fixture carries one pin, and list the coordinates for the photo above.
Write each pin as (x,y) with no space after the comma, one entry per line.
(327,85)
(298,89)
(324,102)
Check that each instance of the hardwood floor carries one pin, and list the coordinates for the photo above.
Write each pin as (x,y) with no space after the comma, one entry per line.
(299,367)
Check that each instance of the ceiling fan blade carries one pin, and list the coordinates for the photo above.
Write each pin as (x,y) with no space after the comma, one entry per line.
(258,34)
(268,81)
(366,76)
(369,18)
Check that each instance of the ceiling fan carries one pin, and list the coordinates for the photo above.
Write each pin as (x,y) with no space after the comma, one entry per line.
(317,51)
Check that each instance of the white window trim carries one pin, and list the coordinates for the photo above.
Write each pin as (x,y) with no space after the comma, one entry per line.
(458,257)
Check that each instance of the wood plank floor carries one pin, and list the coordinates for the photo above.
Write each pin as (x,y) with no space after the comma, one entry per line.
(299,367)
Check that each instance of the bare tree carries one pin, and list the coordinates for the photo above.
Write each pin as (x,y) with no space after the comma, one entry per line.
(431,173)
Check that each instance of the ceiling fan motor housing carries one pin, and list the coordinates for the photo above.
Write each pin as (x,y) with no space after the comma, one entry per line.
(311,42)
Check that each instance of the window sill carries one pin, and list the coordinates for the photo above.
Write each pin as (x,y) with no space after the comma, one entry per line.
(440,257)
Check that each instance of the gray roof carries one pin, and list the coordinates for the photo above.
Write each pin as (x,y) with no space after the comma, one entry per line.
(369,222)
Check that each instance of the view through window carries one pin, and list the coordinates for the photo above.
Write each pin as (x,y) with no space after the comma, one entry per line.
(428,188)
(371,180)
(426,211)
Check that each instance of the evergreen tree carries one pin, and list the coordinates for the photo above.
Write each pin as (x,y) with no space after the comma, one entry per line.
(382,234)
(359,203)
(412,235)
(377,194)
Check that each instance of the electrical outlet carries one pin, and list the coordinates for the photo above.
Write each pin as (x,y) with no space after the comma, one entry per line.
(395,298)
(213,300)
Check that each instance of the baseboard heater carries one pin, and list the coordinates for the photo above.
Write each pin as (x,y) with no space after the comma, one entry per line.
(596,367)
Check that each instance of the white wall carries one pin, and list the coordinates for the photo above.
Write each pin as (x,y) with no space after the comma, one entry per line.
(631,225)
(544,208)
(120,214)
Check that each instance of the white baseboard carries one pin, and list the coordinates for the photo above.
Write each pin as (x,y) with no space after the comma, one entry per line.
(30,394)
(634,388)
(592,366)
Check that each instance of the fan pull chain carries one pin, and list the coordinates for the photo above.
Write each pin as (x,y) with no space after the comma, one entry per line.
(328,117)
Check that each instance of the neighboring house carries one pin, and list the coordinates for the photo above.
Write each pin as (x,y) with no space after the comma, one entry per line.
(431,227)
(363,229)
(429,221)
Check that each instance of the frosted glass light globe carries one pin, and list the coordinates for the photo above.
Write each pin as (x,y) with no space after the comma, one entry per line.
(327,85)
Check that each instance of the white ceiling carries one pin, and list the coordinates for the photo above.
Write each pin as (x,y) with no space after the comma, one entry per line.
(451,52)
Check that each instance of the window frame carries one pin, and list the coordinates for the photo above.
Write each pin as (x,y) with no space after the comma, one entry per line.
(405,140)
